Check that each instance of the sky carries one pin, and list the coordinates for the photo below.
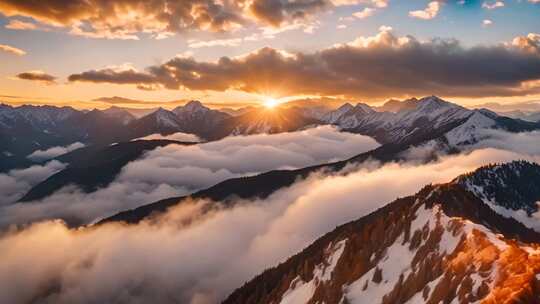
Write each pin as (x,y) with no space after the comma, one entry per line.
(238,52)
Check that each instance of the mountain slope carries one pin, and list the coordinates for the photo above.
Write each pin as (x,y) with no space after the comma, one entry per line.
(443,244)
(197,119)
(263,120)
(159,122)
(413,118)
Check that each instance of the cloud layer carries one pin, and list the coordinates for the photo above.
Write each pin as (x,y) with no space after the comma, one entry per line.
(184,256)
(380,66)
(15,183)
(41,155)
(179,136)
(177,170)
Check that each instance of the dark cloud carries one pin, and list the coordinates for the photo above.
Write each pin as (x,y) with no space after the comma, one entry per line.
(37,76)
(125,19)
(275,12)
(381,66)
(113,75)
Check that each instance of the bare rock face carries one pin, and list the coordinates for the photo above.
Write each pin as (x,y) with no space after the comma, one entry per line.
(442,245)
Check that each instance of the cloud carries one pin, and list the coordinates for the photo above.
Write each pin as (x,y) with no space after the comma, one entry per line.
(219,42)
(492,5)
(128,19)
(529,43)
(39,76)
(358,69)
(187,256)
(429,12)
(486,22)
(527,106)
(20,25)
(178,170)
(366,12)
(276,12)
(15,183)
(526,142)
(123,74)
(12,50)
(41,155)
(179,136)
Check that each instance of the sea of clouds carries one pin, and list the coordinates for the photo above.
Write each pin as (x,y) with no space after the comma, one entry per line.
(190,256)
(177,170)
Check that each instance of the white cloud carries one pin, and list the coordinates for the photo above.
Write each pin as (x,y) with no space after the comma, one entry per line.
(11,49)
(492,5)
(366,12)
(179,136)
(487,23)
(195,44)
(429,12)
(15,183)
(41,155)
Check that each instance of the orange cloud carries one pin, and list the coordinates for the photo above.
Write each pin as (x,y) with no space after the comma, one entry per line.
(12,50)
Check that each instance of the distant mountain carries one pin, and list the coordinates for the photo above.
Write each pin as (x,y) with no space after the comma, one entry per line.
(161,121)
(442,245)
(523,115)
(265,120)
(197,119)
(395,106)
(236,112)
(416,118)
(28,128)
(120,114)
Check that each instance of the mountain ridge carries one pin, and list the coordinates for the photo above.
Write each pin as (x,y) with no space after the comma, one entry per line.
(441,244)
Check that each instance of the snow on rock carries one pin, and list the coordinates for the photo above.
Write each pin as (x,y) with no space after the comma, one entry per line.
(470,131)
(301,292)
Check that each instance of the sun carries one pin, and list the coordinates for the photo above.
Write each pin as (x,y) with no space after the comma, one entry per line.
(270,102)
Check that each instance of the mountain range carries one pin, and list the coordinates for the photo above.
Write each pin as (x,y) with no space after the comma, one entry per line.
(25,129)
(417,122)
(445,244)
(473,240)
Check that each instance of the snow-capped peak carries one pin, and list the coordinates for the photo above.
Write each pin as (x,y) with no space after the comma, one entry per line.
(364,108)
(334,116)
(191,107)
(433,103)
(166,118)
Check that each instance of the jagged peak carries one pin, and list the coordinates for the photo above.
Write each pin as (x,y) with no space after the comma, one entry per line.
(190,107)
(345,107)
(364,107)
(488,113)
(396,105)
(194,104)
(433,101)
